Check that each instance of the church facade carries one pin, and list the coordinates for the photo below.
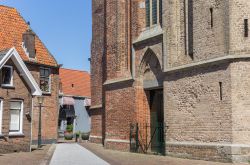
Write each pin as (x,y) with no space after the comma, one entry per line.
(172,77)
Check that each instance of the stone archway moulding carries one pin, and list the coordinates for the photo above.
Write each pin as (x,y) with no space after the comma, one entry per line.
(150,70)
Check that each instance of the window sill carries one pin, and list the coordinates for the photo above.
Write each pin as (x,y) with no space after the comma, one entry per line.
(16,135)
(149,33)
(7,86)
(47,93)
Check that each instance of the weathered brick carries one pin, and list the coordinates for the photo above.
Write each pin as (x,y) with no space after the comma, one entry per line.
(205,94)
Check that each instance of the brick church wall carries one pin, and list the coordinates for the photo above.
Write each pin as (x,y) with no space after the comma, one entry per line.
(239,11)
(97,74)
(198,112)
(119,114)
(208,42)
(240,101)
(203,103)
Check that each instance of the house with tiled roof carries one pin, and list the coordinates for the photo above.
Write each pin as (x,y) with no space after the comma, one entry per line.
(18,89)
(74,100)
(16,34)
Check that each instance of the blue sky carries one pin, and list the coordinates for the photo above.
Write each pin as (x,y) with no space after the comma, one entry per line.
(64,26)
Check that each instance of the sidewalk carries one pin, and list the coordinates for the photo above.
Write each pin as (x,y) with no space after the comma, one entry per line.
(74,154)
(36,157)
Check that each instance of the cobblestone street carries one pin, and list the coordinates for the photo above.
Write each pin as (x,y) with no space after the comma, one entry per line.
(124,158)
(93,154)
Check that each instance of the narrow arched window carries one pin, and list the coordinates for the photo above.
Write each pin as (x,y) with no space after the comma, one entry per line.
(153,12)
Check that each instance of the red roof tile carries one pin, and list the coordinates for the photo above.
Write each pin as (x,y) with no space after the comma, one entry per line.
(12,26)
(75,82)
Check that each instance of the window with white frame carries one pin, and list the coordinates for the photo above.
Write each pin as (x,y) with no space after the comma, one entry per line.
(45,83)
(7,75)
(153,12)
(16,119)
(1,116)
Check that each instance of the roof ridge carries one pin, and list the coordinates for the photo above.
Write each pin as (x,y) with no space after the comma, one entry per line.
(75,70)
(8,7)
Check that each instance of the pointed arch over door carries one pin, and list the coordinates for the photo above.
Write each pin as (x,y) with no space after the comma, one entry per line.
(151,70)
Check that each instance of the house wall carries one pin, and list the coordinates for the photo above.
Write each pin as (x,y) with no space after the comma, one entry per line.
(83,118)
(20,91)
(13,26)
(51,110)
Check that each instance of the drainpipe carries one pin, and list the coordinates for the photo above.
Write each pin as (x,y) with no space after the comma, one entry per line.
(133,62)
(31,122)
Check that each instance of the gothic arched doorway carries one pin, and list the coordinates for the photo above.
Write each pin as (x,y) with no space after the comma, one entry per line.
(151,114)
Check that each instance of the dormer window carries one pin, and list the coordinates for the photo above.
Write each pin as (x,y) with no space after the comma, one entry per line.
(153,12)
(7,76)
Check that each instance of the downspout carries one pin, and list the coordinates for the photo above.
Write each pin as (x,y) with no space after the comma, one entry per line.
(31,127)
(133,62)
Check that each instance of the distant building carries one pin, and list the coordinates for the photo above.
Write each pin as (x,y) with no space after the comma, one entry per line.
(19,116)
(74,100)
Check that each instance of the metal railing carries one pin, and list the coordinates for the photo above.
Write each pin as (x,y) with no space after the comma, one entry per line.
(147,138)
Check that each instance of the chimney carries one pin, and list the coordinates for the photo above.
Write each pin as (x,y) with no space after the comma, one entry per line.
(29,42)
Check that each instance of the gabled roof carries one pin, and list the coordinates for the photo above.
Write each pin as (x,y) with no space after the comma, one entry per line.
(75,82)
(12,26)
(12,54)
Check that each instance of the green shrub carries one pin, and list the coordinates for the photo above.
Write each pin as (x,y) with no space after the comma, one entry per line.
(78,133)
(69,128)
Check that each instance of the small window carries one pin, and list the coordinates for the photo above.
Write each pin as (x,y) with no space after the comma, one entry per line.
(16,120)
(153,12)
(1,115)
(189,30)
(221,94)
(7,76)
(45,84)
(211,17)
(147,13)
(246,27)
(60,86)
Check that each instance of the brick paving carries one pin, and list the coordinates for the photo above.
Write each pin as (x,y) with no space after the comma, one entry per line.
(124,158)
(36,157)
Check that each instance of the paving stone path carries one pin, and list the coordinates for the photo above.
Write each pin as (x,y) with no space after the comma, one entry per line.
(74,154)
